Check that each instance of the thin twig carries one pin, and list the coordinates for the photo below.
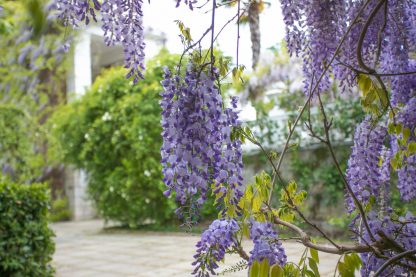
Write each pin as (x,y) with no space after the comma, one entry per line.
(379,35)
(276,168)
(358,71)
(360,46)
(242,253)
(327,141)
(191,47)
(363,34)
(214,6)
(238,31)
(306,240)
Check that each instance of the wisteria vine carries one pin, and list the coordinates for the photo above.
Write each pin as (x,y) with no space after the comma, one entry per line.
(197,148)
(337,39)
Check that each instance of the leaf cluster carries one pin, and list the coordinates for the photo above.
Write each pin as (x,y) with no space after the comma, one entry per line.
(26,244)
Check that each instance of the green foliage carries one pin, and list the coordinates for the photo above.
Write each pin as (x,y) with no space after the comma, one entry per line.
(113,132)
(255,195)
(21,161)
(374,99)
(26,244)
(307,266)
(60,208)
(319,176)
(31,84)
(185,33)
(407,147)
(310,164)
(34,82)
(349,265)
(288,199)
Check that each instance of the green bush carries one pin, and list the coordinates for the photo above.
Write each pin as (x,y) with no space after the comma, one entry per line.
(18,156)
(26,244)
(113,132)
(60,208)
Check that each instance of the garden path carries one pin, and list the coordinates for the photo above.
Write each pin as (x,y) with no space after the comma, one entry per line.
(84,250)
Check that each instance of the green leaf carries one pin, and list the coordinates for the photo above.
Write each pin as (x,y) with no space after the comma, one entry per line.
(314,266)
(309,273)
(357,260)
(398,129)
(406,134)
(369,98)
(391,128)
(364,83)
(276,271)
(264,268)
(412,147)
(383,97)
(314,254)
(394,163)
(256,204)
(255,269)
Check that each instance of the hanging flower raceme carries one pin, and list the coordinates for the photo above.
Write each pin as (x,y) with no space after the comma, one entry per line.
(189,3)
(396,56)
(363,173)
(266,244)
(314,30)
(197,149)
(215,241)
(402,230)
(122,23)
(74,12)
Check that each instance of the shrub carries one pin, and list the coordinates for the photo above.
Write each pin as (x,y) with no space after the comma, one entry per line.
(113,132)
(60,208)
(19,160)
(26,244)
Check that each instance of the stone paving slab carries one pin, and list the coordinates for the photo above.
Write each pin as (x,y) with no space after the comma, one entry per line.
(82,249)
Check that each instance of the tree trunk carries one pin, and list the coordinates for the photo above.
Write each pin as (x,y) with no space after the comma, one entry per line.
(254,23)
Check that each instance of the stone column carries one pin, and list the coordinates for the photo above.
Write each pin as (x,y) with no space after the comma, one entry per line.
(79,79)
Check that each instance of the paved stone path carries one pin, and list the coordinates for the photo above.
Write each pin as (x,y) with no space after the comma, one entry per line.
(83,249)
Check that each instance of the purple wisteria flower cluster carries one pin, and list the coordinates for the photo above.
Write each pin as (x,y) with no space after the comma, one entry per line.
(197,149)
(122,23)
(74,12)
(266,244)
(215,241)
(314,28)
(364,173)
(403,230)
(189,3)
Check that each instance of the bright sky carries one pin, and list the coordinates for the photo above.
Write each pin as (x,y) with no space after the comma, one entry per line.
(160,16)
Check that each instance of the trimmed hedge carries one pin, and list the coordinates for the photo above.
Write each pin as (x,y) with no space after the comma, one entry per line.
(26,244)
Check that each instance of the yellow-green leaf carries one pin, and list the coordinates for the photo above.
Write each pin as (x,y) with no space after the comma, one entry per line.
(406,134)
(276,271)
(314,266)
(264,268)
(314,254)
(254,269)
(365,83)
